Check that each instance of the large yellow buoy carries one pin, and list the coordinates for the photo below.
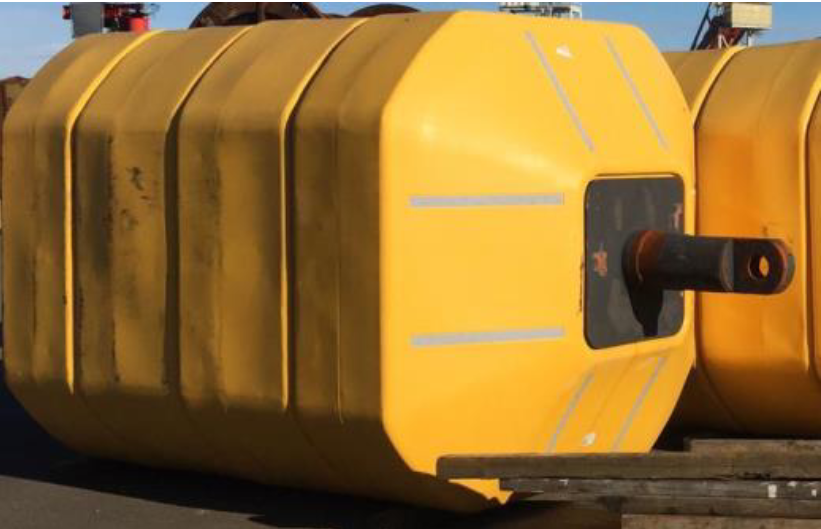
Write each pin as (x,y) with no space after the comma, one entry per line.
(758,145)
(325,253)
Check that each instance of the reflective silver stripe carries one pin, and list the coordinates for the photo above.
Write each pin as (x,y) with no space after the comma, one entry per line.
(463,338)
(637,405)
(571,407)
(560,90)
(636,94)
(551,199)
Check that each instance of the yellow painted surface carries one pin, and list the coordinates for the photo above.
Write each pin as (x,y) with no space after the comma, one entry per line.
(697,71)
(234,292)
(39,352)
(128,361)
(10,90)
(260,285)
(757,176)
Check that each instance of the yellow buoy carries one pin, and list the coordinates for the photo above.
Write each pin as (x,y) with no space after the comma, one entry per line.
(325,253)
(758,162)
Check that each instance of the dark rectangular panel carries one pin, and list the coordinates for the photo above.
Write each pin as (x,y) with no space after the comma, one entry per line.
(615,209)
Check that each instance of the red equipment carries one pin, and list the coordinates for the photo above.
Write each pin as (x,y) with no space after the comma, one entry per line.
(96,17)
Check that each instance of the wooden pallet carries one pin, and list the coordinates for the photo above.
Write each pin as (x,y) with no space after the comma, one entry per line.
(729,484)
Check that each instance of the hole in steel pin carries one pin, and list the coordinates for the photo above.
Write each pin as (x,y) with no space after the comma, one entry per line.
(759,267)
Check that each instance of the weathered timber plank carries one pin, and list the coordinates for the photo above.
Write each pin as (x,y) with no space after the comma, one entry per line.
(563,489)
(643,521)
(656,465)
(734,446)
(735,507)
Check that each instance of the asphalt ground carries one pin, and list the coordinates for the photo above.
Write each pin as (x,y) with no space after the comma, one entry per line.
(44,485)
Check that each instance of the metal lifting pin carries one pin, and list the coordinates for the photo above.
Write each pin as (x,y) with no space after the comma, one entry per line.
(658,260)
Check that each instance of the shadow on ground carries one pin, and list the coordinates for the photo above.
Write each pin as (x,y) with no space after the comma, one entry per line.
(43,484)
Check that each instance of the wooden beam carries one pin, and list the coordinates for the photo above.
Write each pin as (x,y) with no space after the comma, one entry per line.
(641,521)
(657,465)
(564,489)
(730,507)
(734,446)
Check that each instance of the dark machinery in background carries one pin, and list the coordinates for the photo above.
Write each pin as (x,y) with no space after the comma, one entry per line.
(245,13)
(99,17)
(728,24)
(724,24)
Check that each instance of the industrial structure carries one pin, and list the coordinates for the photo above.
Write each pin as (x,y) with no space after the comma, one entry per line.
(88,18)
(569,10)
(727,24)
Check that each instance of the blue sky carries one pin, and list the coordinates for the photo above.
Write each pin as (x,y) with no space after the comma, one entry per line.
(30,33)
